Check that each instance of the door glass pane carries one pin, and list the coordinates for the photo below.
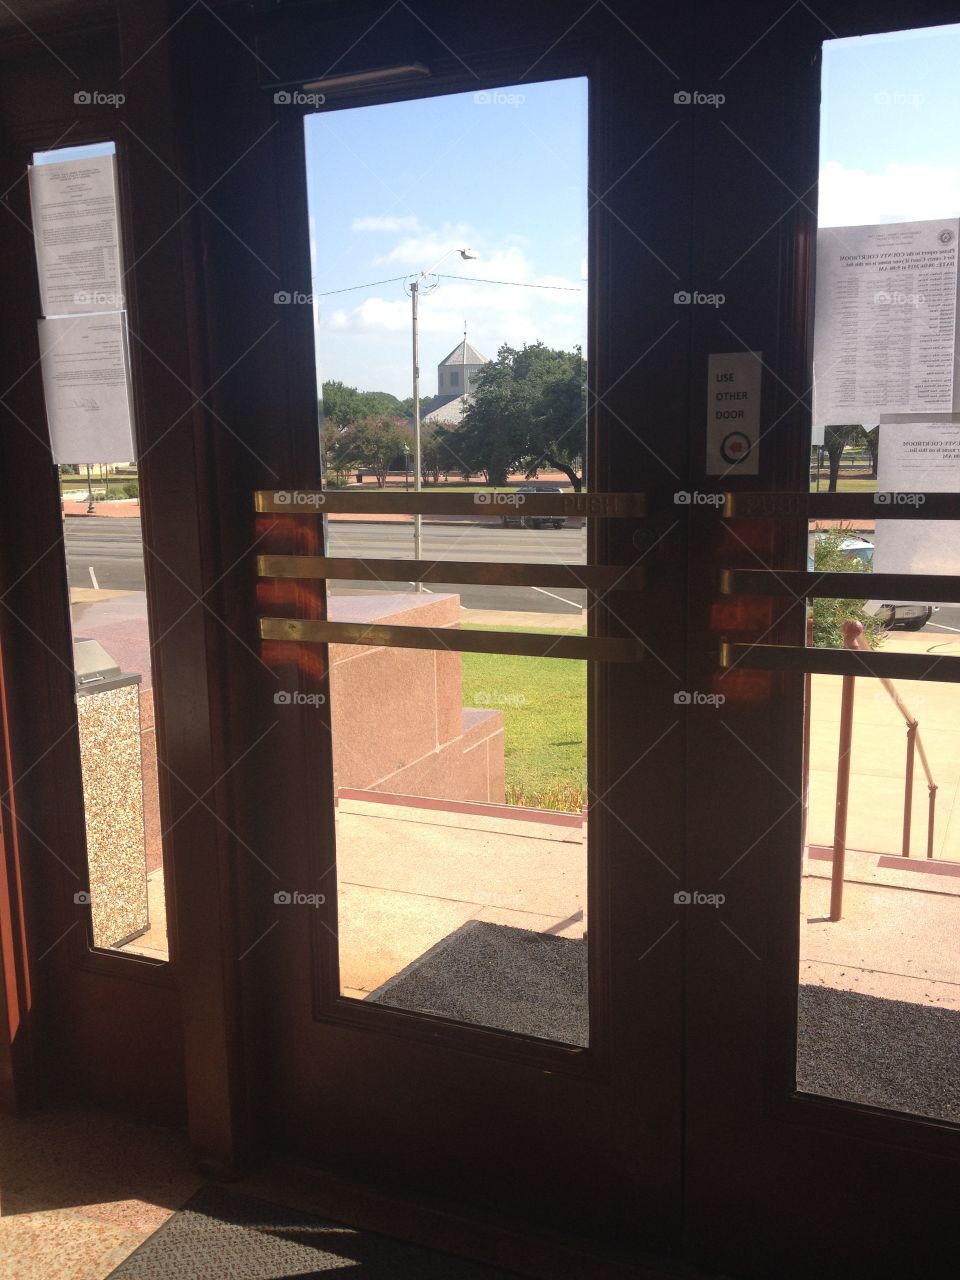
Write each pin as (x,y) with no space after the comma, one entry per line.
(880,965)
(76,224)
(456,226)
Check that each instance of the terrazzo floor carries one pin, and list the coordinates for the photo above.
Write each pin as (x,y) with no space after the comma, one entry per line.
(79,1191)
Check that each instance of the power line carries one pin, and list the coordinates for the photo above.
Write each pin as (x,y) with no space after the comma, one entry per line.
(371,284)
(517,284)
(513,284)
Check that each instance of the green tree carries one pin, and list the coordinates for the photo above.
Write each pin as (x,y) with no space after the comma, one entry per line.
(341,405)
(373,443)
(335,445)
(381,404)
(436,456)
(556,384)
(869,437)
(830,615)
(491,435)
(835,440)
(527,408)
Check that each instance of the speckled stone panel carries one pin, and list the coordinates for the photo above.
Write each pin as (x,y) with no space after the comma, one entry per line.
(109,724)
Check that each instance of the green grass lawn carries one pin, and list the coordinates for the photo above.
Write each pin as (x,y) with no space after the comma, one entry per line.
(544,705)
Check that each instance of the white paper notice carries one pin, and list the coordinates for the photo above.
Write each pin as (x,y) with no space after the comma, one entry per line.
(733,413)
(922,457)
(885,335)
(76,232)
(86,388)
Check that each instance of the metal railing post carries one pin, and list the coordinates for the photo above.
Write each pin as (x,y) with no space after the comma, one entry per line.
(908,786)
(852,639)
(843,796)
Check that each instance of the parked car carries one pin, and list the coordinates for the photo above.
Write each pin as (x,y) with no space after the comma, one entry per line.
(908,614)
(518,520)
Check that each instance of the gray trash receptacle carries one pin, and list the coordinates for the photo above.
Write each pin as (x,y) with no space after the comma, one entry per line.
(108,715)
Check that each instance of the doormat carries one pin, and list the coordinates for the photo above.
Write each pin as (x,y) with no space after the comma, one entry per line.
(887,1053)
(492,975)
(222,1233)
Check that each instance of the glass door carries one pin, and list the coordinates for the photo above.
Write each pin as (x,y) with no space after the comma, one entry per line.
(824,1024)
(469,609)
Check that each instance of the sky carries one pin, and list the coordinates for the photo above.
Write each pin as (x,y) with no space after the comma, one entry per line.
(504,173)
(890,124)
(393,187)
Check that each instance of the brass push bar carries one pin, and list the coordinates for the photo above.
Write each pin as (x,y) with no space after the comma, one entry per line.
(318,502)
(839,662)
(840,586)
(591,577)
(529,644)
(843,506)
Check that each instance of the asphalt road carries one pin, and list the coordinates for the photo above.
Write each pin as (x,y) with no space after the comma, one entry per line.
(485,544)
(112,547)
(109,545)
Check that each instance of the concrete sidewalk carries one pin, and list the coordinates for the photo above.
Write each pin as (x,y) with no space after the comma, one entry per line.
(408,877)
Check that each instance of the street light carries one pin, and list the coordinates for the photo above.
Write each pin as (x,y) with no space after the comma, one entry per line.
(415,291)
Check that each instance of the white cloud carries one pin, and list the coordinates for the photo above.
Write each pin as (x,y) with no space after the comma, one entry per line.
(386,223)
(422,251)
(377,315)
(366,341)
(900,193)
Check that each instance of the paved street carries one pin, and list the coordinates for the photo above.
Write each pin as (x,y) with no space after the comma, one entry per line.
(113,549)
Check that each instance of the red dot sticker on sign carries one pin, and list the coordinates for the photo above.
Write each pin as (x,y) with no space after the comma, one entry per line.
(733,413)
(735,447)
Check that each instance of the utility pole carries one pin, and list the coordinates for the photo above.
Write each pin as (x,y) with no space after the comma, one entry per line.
(417,519)
(414,288)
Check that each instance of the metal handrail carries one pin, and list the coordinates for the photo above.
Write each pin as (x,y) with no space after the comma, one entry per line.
(914,747)
(853,638)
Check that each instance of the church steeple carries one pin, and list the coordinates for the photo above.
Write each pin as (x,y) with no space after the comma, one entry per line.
(455,373)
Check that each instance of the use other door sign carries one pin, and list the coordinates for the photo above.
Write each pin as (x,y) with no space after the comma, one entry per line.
(733,413)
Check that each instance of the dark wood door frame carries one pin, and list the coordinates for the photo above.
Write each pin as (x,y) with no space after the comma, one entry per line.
(158,1039)
(302,1049)
(776,1182)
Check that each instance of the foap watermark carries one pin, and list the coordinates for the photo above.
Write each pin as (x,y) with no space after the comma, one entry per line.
(298,98)
(899,499)
(286,298)
(83,898)
(295,698)
(498,98)
(694,98)
(95,98)
(693,698)
(294,898)
(498,698)
(686,298)
(99,298)
(694,898)
(885,298)
(499,499)
(696,498)
(298,498)
(883,699)
(898,98)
